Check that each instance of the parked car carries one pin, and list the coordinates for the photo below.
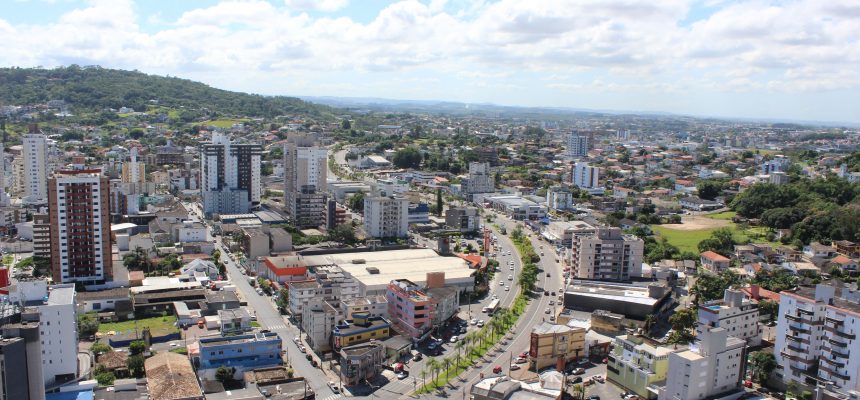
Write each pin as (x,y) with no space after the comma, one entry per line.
(578,371)
(454,339)
(417,357)
(514,367)
(480,324)
(520,360)
(402,375)
(333,387)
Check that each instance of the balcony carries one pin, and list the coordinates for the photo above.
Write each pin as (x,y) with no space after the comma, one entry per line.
(835,321)
(797,339)
(796,349)
(839,333)
(837,343)
(837,353)
(796,358)
(800,319)
(805,311)
(833,372)
(834,363)
(798,329)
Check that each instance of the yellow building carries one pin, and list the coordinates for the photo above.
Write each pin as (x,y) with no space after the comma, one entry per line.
(639,364)
(555,345)
(360,329)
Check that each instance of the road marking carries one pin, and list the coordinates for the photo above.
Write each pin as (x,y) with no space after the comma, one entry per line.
(334,396)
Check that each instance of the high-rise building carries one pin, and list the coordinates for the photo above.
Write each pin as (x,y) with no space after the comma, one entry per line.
(709,368)
(386,217)
(608,254)
(79,211)
(4,196)
(585,176)
(480,179)
(229,175)
(133,171)
(22,367)
(42,236)
(734,313)
(35,168)
(577,145)
(410,309)
(305,173)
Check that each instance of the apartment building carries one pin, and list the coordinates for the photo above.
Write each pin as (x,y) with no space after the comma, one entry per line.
(410,309)
(318,321)
(386,217)
(374,306)
(243,352)
(22,368)
(229,175)
(464,219)
(577,145)
(639,364)
(585,176)
(305,174)
(559,198)
(35,167)
(735,313)
(710,368)
(360,329)
(133,171)
(362,362)
(79,212)
(480,179)
(329,283)
(816,330)
(714,262)
(608,254)
(41,236)
(555,345)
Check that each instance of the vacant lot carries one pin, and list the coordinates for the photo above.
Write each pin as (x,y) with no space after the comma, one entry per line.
(699,222)
(157,325)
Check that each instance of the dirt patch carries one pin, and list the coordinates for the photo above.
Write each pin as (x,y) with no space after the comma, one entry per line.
(698,222)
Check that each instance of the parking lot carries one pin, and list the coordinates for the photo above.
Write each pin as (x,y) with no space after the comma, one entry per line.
(605,390)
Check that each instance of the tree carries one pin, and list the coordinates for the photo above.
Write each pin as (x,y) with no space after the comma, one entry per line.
(87,324)
(343,233)
(769,308)
(138,260)
(709,189)
(433,364)
(356,202)
(761,365)
(169,263)
(439,204)
(683,320)
(100,348)
(408,157)
(135,365)
(721,241)
(105,378)
(577,391)
(711,286)
(447,362)
(345,124)
(137,347)
(223,374)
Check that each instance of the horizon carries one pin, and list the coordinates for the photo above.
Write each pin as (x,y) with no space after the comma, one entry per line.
(789,61)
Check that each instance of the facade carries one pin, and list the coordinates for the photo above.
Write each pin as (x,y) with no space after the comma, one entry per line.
(577,145)
(714,262)
(360,329)
(255,242)
(318,320)
(386,217)
(244,352)
(374,306)
(559,198)
(585,176)
(35,168)
(608,254)
(815,332)
(735,313)
(305,173)
(418,214)
(555,345)
(300,294)
(234,320)
(480,179)
(133,171)
(41,236)
(229,175)
(360,363)
(462,219)
(15,382)
(78,208)
(517,207)
(639,364)
(713,367)
(410,309)
(446,304)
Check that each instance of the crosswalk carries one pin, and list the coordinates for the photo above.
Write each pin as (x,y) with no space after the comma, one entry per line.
(333,397)
(275,327)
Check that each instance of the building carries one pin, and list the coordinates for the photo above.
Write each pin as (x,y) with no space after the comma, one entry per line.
(305,174)
(255,243)
(816,330)
(418,214)
(446,304)
(711,367)
(301,294)
(361,328)
(318,321)
(374,306)
(577,145)
(480,179)
(35,167)
(282,269)
(639,364)
(632,301)
(362,362)
(31,366)
(608,254)
(735,313)
(133,171)
(78,208)
(559,198)
(41,236)
(561,233)
(170,376)
(697,204)
(585,176)
(386,217)
(517,207)
(243,352)
(555,345)
(16,382)
(465,219)
(229,175)
(410,309)
(714,262)
(780,163)
(234,320)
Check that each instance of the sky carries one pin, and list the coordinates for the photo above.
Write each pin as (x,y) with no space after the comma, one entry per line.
(781,59)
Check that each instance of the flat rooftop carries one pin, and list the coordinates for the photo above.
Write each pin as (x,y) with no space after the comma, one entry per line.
(624,293)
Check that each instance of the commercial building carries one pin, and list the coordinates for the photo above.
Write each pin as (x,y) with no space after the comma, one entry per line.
(305,173)
(170,376)
(632,301)
(711,367)
(816,330)
(608,254)
(419,213)
(360,363)
(386,217)
(35,167)
(577,145)
(639,364)
(480,179)
(561,233)
(446,304)
(517,207)
(318,321)
(243,352)
(374,306)
(585,176)
(734,313)
(555,345)
(697,204)
(465,219)
(410,309)
(255,243)
(229,175)
(361,328)
(78,208)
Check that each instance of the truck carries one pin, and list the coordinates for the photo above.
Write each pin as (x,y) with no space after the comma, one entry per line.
(492,307)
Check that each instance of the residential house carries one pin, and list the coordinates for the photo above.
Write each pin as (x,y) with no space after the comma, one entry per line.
(714,262)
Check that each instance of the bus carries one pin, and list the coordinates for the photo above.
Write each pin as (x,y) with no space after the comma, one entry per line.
(492,307)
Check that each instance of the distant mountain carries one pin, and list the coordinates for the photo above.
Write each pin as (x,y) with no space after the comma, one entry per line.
(89,89)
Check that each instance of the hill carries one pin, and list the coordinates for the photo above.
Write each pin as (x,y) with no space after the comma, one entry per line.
(92,89)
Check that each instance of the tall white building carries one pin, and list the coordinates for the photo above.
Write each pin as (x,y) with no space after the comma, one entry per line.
(607,254)
(711,366)
(816,332)
(735,313)
(480,179)
(386,216)
(35,168)
(305,174)
(229,175)
(585,176)
(577,145)
(4,196)
(133,171)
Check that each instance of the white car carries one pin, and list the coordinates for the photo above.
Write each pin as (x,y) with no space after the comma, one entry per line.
(510,277)
(474,321)
(507,288)
(454,338)
(512,267)
(481,324)
(501,283)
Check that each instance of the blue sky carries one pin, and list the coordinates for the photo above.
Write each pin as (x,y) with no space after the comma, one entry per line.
(779,59)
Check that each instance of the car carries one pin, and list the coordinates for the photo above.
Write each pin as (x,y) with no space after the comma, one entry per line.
(402,375)
(552,294)
(432,346)
(302,349)
(578,371)
(474,321)
(524,354)
(520,360)
(512,267)
(333,387)
(598,378)
(547,274)
(174,344)
(577,379)
(510,277)
(582,361)
(454,339)
(552,318)
(507,288)
(480,324)
(501,283)
(497,369)
(552,302)
(548,310)
(463,330)
(545,292)
(514,367)
(297,340)
(417,357)
(593,397)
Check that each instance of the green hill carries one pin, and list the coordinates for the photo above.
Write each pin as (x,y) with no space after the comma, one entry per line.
(92,89)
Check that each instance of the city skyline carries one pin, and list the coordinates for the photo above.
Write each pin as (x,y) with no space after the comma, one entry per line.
(791,61)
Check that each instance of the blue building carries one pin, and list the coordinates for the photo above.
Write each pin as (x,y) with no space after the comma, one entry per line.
(419,213)
(243,352)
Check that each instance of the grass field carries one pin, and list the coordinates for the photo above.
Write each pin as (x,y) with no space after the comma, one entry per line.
(225,123)
(157,325)
(726,215)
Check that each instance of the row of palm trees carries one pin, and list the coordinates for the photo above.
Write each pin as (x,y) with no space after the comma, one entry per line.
(471,345)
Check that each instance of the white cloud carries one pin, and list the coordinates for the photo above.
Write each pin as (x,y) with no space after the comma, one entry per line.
(321,5)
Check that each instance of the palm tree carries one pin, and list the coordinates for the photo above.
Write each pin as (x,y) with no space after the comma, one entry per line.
(447,362)
(459,347)
(433,364)
(649,321)
(578,392)
(424,376)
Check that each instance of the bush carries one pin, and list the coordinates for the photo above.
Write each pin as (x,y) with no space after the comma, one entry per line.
(105,378)
(100,348)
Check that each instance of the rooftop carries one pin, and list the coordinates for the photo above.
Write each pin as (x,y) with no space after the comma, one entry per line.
(347,327)
(61,295)
(548,328)
(710,255)
(610,291)
(218,340)
(104,294)
(171,377)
